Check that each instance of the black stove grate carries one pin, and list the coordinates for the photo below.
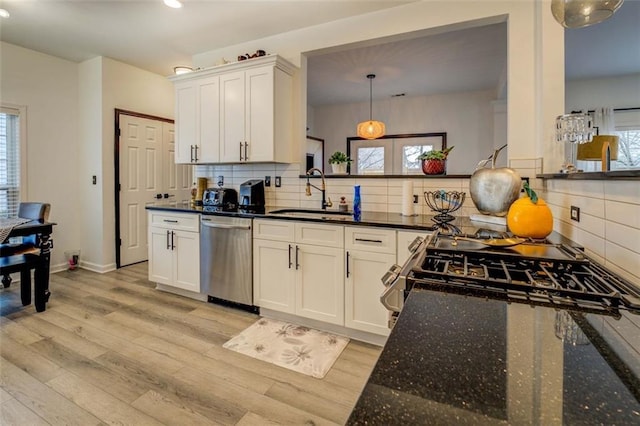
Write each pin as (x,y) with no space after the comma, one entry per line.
(566,281)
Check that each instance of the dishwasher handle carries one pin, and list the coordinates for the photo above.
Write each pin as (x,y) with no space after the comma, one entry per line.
(210,224)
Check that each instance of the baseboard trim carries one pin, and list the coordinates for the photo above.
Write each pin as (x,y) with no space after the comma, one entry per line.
(101,269)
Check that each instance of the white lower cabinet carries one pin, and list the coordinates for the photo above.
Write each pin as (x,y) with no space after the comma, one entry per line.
(298,269)
(174,250)
(369,254)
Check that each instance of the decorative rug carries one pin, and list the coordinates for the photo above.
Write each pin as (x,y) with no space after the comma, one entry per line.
(295,347)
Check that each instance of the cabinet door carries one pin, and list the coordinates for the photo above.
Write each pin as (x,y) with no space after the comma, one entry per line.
(186,121)
(274,275)
(186,252)
(320,283)
(259,113)
(160,255)
(209,120)
(232,117)
(363,310)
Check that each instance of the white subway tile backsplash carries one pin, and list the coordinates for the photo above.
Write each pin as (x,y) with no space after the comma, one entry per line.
(624,236)
(623,191)
(622,258)
(624,213)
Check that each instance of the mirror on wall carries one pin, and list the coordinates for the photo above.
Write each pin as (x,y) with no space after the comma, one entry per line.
(441,80)
(392,154)
(602,69)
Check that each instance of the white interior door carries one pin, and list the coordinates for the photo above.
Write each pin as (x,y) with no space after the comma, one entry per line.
(177,178)
(141,152)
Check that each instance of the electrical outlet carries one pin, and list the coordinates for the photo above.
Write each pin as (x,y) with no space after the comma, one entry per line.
(267,181)
(278,182)
(575,213)
(415,199)
(94,179)
(220,180)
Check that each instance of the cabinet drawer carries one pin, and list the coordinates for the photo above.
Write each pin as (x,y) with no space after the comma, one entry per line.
(179,221)
(319,235)
(275,230)
(370,239)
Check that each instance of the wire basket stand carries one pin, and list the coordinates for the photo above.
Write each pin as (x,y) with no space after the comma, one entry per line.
(444,202)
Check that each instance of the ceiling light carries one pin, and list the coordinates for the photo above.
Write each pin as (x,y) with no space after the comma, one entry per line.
(582,13)
(173,3)
(4,13)
(371,129)
(182,70)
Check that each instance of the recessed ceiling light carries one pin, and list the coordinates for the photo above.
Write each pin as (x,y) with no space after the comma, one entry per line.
(173,3)
(4,13)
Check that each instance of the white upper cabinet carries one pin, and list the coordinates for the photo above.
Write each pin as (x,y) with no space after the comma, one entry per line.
(236,113)
(198,120)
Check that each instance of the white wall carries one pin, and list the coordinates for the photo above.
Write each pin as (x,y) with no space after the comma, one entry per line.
(47,86)
(467,118)
(70,136)
(535,65)
(616,92)
(129,88)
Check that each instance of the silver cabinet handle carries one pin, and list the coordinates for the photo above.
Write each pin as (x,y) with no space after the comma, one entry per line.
(192,153)
(240,151)
(170,220)
(195,148)
(246,154)
(297,251)
(168,243)
(173,246)
(209,224)
(366,240)
(290,263)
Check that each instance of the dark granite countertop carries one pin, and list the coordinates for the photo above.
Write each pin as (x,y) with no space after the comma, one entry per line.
(390,220)
(454,359)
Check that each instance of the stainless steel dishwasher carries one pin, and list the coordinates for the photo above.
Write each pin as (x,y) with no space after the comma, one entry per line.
(226,261)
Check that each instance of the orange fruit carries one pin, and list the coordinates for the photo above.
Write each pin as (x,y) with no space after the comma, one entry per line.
(527,219)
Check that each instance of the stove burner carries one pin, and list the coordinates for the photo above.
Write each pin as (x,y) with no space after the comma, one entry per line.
(471,271)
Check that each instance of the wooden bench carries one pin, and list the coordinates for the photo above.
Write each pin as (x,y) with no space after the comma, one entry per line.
(22,263)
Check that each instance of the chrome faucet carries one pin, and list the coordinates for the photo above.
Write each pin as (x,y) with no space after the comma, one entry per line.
(322,188)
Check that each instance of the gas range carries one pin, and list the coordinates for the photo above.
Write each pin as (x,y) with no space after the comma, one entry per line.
(533,272)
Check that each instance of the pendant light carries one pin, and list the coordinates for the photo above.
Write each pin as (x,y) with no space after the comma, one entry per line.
(371,129)
(582,13)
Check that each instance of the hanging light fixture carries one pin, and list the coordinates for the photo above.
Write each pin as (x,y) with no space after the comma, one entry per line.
(582,13)
(371,129)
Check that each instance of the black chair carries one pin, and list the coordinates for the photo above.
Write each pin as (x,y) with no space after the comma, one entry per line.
(21,257)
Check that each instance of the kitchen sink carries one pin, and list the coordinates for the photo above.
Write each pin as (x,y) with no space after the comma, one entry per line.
(311,213)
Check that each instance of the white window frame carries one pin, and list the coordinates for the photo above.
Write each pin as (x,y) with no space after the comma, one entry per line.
(21,111)
(626,120)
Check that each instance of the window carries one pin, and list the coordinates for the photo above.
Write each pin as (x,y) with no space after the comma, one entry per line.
(9,161)
(628,131)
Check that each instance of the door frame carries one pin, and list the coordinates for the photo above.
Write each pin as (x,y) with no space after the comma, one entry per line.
(116,160)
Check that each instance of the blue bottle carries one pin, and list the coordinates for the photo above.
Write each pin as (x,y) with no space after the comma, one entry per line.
(356,203)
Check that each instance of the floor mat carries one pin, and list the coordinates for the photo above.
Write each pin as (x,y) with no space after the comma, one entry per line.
(291,346)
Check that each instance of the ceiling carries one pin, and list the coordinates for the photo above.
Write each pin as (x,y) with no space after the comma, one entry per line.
(153,37)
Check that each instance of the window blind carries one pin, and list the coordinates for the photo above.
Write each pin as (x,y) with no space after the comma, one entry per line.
(9,161)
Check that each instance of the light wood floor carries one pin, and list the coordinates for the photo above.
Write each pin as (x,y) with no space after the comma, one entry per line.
(110,349)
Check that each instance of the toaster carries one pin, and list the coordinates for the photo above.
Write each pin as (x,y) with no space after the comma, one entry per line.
(223,198)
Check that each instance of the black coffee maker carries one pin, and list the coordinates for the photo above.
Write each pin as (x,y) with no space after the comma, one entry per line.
(251,197)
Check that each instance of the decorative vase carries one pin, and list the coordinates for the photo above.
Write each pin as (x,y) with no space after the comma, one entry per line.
(356,203)
(339,168)
(433,167)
